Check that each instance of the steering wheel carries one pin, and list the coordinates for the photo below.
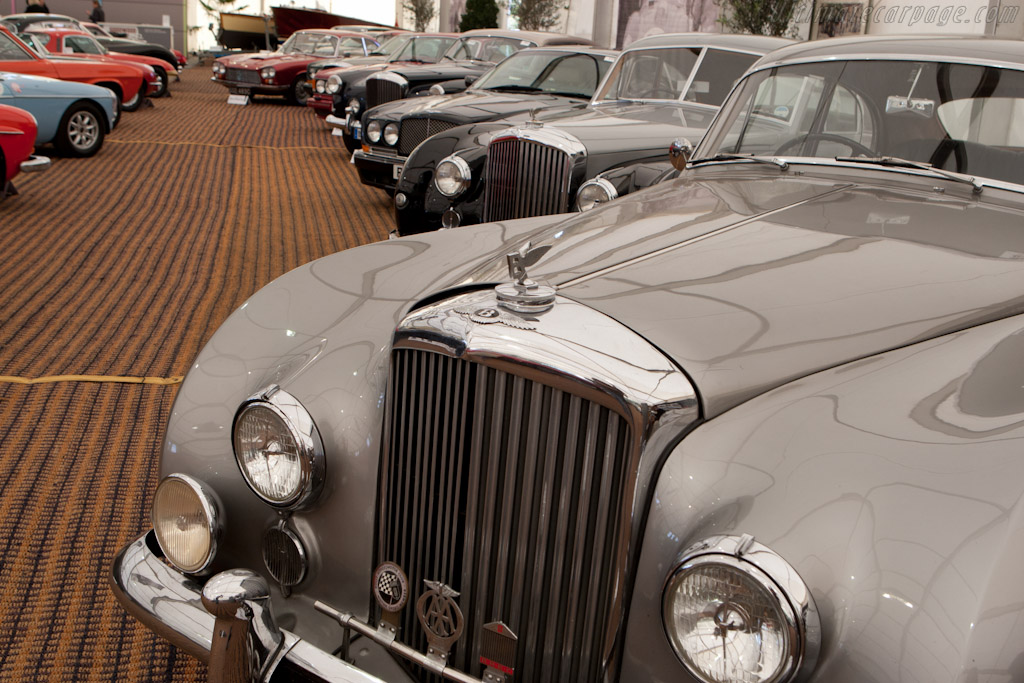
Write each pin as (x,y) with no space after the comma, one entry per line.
(826,137)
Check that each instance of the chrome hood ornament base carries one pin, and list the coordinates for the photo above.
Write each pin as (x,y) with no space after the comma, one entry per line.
(524,295)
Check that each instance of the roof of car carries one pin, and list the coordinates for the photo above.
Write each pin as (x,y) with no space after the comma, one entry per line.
(931,48)
(729,41)
(584,49)
(538,37)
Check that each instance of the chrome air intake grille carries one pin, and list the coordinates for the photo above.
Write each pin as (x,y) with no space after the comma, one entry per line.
(381,90)
(243,76)
(524,179)
(509,491)
(415,131)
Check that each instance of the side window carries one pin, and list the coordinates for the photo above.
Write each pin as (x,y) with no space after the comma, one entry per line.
(11,51)
(718,72)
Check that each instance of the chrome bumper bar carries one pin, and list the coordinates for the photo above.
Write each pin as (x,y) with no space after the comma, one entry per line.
(34,164)
(178,608)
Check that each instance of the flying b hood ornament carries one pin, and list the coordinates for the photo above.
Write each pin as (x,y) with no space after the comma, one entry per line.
(524,295)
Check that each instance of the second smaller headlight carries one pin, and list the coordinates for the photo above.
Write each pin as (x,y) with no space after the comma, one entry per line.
(268,72)
(452,176)
(187,520)
(391,133)
(321,86)
(373,130)
(333,84)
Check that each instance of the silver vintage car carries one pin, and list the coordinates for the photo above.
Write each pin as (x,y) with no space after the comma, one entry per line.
(760,423)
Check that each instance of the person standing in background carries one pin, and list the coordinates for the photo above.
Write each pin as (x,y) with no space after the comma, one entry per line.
(37,6)
(97,14)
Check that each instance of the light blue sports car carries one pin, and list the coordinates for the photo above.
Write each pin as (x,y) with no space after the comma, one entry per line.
(75,117)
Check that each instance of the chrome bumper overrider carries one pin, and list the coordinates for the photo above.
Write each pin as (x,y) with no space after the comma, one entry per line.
(35,163)
(249,644)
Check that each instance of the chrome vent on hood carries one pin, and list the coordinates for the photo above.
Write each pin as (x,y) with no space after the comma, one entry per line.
(518,451)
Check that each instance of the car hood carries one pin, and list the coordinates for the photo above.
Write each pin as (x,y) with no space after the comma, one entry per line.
(604,128)
(442,71)
(347,62)
(477,105)
(41,86)
(258,60)
(750,283)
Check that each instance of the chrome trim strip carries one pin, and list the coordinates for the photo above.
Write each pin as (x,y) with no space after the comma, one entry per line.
(35,163)
(820,58)
(391,76)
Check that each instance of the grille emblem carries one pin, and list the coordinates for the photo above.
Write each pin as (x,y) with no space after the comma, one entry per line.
(391,591)
(525,295)
(440,617)
(497,651)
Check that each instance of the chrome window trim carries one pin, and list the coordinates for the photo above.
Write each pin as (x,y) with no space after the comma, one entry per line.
(887,57)
(579,350)
(307,439)
(776,576)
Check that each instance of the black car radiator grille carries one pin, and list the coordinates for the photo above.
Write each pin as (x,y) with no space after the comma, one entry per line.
(509,491)
(524,179)
(243,76)
(415,131)
(381,90)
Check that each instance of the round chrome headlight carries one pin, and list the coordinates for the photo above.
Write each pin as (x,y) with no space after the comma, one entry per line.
(594,192)
(452,176)
(736,611)
(268,72)
(391,133)
(278,449)
(187,521)
(373,130)
(353,106)
(333,84)
(219,68)
(320,86)
(436,89)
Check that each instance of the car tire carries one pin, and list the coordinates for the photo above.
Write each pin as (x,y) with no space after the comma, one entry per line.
(351,144)
(161,75)
(135,102)
(81,130)
(299,92)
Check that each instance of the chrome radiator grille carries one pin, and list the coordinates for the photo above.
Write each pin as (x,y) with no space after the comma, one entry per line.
(525,178)
(243,76)
(415,131)
(509,491)
(381,90)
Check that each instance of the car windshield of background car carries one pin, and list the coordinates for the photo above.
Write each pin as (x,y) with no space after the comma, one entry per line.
(654,74)
(486,49)
(36,42)
(427,49)
(574,75)
(82,45)
(310,43)
(11,51)
(953,116)
(390,46)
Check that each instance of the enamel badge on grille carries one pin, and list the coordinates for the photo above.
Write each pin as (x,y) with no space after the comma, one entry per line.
(391,591)
(440,617)
(497,651)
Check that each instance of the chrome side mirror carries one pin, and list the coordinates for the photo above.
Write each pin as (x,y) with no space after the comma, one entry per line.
(679,152)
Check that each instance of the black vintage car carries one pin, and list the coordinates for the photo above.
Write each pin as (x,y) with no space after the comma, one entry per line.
(472,55)
(661,89)
(530,80)
(330,84)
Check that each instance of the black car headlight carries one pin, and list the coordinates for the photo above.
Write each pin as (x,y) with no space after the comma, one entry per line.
(219,68)
(320,86)
(736,611)
(333,84)
(268,72)
(278,449)
(594,192)
(452,176)
(187,521)
(391,134)
(373,131)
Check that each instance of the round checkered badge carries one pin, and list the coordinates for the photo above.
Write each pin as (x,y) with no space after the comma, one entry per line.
(390,587)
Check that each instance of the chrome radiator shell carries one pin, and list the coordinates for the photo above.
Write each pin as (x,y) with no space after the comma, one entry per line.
(515,469)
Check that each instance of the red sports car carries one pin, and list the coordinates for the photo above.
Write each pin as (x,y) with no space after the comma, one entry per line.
(71,42)
(284,72)
(127,80)
(17,142)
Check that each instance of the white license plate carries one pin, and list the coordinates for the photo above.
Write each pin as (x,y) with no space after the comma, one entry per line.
(396,171)
(238,99)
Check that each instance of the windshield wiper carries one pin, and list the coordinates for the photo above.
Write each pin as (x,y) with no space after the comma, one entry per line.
(728,156)
(514,88)
(897,162)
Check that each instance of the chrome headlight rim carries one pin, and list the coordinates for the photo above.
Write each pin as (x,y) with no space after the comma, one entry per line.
(268,72)
(303,431)
(333,84)
(391,134)
(320,85)
(602,183)
(775,577)
(219,68)
(463,179)
(374,131)
(211,507)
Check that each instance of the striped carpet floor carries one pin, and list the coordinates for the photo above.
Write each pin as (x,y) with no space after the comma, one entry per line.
(124,265)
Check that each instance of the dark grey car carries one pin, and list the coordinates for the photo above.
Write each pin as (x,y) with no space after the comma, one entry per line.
(763,422)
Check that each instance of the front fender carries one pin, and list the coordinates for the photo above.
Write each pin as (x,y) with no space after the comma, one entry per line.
(893,485)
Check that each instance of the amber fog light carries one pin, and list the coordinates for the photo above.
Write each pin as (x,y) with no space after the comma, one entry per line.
(736,611)
(187,522)
(278,449)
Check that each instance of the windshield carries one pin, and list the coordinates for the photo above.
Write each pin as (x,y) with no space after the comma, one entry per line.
(486,48)
(321,44)
(85,45)
(390,46)
(36,42)
(665,74)
(958,117)
(551,72)
(427,49)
